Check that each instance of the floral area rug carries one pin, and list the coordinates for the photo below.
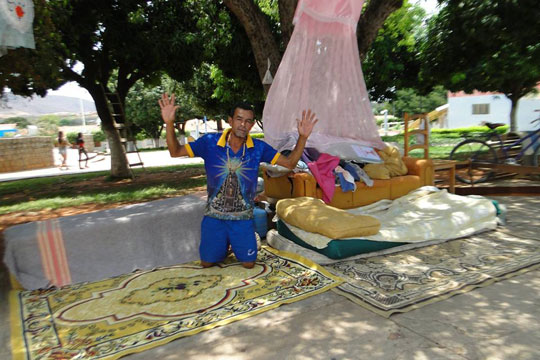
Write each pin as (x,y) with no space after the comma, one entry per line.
(410,279)
(130,313)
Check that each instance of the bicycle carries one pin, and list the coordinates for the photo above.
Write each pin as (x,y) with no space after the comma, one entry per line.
(471,151)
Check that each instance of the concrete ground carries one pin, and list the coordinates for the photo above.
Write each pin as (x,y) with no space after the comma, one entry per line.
(500,321)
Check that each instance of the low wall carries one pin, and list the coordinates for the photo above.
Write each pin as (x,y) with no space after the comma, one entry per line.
(26,153)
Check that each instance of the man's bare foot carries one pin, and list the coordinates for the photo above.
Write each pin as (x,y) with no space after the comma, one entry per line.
(248,265)
(205,264)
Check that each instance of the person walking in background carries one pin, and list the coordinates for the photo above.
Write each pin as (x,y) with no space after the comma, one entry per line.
(82,150)
(62,144)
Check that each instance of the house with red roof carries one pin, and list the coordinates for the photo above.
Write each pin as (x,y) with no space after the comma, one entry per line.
(473,109)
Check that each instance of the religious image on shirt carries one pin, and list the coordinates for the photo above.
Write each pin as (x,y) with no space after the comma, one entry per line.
(229,198)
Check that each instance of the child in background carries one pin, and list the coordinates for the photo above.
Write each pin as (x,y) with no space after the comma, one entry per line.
(62,144)
(82,150)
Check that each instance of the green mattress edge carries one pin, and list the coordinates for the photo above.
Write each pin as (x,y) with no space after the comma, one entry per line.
(338,249)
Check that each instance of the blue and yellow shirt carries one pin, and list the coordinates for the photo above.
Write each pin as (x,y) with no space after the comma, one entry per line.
(231,177)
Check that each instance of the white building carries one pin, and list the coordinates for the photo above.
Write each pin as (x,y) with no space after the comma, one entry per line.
(473,109)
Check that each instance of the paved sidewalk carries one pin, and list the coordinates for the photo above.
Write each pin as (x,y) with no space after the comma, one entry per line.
(500,321)
(98,163)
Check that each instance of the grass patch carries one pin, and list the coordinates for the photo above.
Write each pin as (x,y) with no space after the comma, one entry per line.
(38,184)
(27,185)
(95,188)
(440,144)
(57,202)
(169,168)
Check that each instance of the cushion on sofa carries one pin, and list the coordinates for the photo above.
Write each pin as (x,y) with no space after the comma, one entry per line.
(377,171)
(393,161)
(277,187)
(402,185)
(314,215)
(393,165)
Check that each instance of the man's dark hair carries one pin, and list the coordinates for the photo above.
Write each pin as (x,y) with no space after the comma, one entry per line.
(244,105)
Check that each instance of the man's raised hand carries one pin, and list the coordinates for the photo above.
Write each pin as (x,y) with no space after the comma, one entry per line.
(168,109)
(305,126)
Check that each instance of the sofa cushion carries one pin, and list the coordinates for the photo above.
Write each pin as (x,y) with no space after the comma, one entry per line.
(393,161)
(393,165)
(314,215)
(402,185)
(377,171)
(277,187)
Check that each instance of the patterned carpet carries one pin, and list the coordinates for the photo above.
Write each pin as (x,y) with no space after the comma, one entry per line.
(407,280)
(130,313)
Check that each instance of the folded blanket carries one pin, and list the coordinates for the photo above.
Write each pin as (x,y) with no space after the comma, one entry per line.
(315,216)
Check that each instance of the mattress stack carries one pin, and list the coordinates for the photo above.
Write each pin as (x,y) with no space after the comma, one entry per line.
(423,217)
(332,232)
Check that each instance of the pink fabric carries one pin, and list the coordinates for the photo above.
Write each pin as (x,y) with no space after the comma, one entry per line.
(322,170)
(321,70)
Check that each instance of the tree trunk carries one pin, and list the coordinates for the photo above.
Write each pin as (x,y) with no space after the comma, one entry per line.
(260,36)
(119,164)
(181,127)
(286,16)
(265,46)
(219,124)
(372,20)
(513,111)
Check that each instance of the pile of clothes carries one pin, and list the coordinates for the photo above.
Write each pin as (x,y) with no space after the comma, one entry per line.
(342,168)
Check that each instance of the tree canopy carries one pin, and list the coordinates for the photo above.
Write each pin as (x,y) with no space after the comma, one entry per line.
(142,110)
(217,52)
(484,45)
(21,122)
(27,71)
(408,100)
(269,38)
(134,39)
(392,61)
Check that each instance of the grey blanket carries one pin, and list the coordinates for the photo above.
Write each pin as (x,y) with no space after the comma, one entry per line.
(112,242)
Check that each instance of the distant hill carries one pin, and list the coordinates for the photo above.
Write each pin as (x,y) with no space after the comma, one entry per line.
(38,106)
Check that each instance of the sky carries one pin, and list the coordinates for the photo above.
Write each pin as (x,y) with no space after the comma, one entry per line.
(428,5)
(71,89)
(74,90)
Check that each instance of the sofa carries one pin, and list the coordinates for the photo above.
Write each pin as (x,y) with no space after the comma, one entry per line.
(419,173)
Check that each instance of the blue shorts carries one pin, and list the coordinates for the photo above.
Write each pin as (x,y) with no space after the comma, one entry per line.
(217,234)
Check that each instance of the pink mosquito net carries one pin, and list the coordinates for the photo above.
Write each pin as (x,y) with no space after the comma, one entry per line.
(321,70)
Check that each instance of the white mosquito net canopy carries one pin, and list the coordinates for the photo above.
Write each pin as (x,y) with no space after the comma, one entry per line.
(321,71)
